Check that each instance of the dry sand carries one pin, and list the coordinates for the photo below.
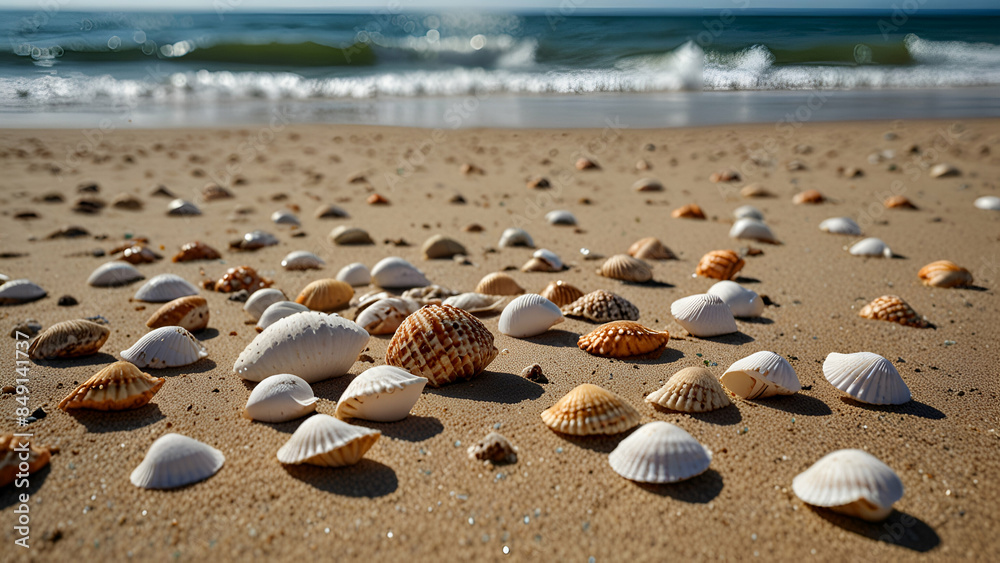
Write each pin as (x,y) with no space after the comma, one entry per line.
(416,495)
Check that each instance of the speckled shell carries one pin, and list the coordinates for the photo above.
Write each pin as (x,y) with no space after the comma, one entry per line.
(395,273)
(189,312)
(659,452)
(623,339)
(808,196)
(280,398)
(704,315)
(742,302)
(475,303)
(355,274)
(602,307)
(381,394)
(282,217)
(747,212)
(260,300)
(69,339)
(277,311)
(626,268)
(326,295)
(560,217)
(561,293)
(163,288)
(240,278)
(840,226)
(650,248)
(899,202)
(871,247)
(119,386)
(442,343)
(851,482)
(114,274)
(498,283)
(689,211)
(515,237)
(440,247)
(169,346)
(589,410)
(945,273)
(345,235)
(385,315)
(987,203)
(720,265)
(647,185)
(196,251)
(175,461)
(867,377)
(302,260)
(11,453)
(692,389)
(761,375)
(752,229)
(19,291)
(893,309)
(180,207)
(529,315)
(328,442)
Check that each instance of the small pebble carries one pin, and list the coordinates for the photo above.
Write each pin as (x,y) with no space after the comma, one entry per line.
(68,301)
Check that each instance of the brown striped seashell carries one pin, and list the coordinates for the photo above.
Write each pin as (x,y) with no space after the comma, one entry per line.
(755,190)
(650,248)
(69,339)
(241,277)
(442,343)
(196,251)
(602,307)
(326,295)
(893,309)
(624,339)
(586,164)
(377,199)
(190,312)
(899,202)
(498,283)
(625,268)
(18,452)
(728,175)
(117,387)
(561,293)
(808,196)
(689,211)
(720,265)
(945,273)
(212,192)
(692,389)
(589,410)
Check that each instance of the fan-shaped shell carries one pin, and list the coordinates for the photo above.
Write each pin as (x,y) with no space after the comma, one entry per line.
(356,274)
(166,347)
(747,212)
(475,302)
(196,251)
(602,307)
(689,211)
(704,315)
(893,309)
(623,339)
(867,377)
(381,394)
(720,265)
(659,452)
(840,226)
(117,387)
(647,185)
(282,217)
(302,260)
(175,461)
(113,274)
(516,237)
(560,217)
(326,441)
(260,300)
(851,482)
(15,458)
(280,398)
(180,207)
(988,203)
(326,295)
(385,315)
(808,196)
(760,375)
(871,247)
(692,389)
(163,288)
(529,315)
(742,302)
(440,246)
(752,229)
(561,293)
(498,283)
(69,339)
(945,273)
(395,273)
(20,291)
(277,311)
(189,312)
(589,410)
(345,235)
(626,268)
(650,248)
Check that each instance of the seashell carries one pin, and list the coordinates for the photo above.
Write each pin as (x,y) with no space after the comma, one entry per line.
(280,398)
(602,307)
(162,191)
(88,205)
(163,288)
(589,410)
(899,202)
(371,298)
(473,228)
(626,268)
(643,164)
(808,196)
(331,211)
(119,386)
(69,339)
(534,373)
(127,201)
(381,394)
(515,237)
(550,258)
(395,273)
(261,300)
(165,347)
(282,217)
(346,236)
(302,260)
(442,343)
(727,175)
(944,170)
(213,192)
(538,183)
(20,291)
(189,312)
(840,226)
(312,345)
(385,315)
(179,207)
(755,190)
(704,315)
(536,264)
(196,251)
(720,265)
(561,293)
(742,302)
(326,441)
(893,309)
(747,212)
(139,254)
(498,283)
(113,274)
(871,247)
(326,295)
(988,203)
(494,448)
(255,240)
(689,211)
(624,339)
(529,315)
(853,172)
(761,375)
(867,377)
(944,273)
(692,389)
(851,482)
(69,231)
(659,452)
(647,185)
(560,217)
(475,303)
(440,246)
(429,293)
(586,164)
(19,456)
(469,169)
(175,461)
(277,311)
(357,178)
(650,248)
(355,274)
(241,278)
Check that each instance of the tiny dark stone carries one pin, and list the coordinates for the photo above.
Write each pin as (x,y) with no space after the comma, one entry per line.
(457,199)
(240,296)
(88,187)
(39,413)
(8,389)
(68,301)
(366,358)
(97,252)
(298,234)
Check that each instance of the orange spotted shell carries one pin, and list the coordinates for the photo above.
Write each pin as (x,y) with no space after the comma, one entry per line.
(241,277)
(196,251)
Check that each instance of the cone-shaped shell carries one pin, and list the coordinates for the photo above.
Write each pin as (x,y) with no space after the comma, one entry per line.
(20,291)
(988,203)
(867,377)
(113,274)
(704,315)
(381,394)
(69,339)
(175,461)
(840,226)
(742,302)
(689,211)
(871,247)
(385,315)
(650,248)
(659,452)
(560,217)
(808,196)
(623,339)
(166,347)
(440,246)
(326,295)
(752,229)
(760,375)
(283,217)
(692,389)
(280,398)
(529,315)
(196,251)
(893,309)
(851,482)
(747,212)
(302,260)
(189,312)
(277,311)
(589,410)
(180,207)
(356,274)
(720,265)
(626,268)
(647,185)
(516,237)
(945,273)
(345,235)
(396,273)
(561,293)
(119,386)
(498,283)
(13,458)
(475,303)
(326,441)
(163,288)
(602,307)
(260,300)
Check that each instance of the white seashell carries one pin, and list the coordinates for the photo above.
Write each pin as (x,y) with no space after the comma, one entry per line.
(314,346)
(475,302)
(841,226)
(20,291)
(258,239)
(851,482)
(347,235)
(551,258)
(748,212)
(327,441)
(113,274)
(277,311)
(988,202)
(395,273)
(165,347)
(174,461)
(385,315)
(163,288)
(355,274)
(283,217)
(261,299)
(752,229)
(529,315)
(867,377)
(560,217)
(704,315)
(659,452)
(370,298)
(742,302)
(516,237)
(280,398)
(381,394)
(871,247)
(181,207)
(302,260)
(760,375)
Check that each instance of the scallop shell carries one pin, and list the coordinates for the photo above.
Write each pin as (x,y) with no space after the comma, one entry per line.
(752,229)
(747,212)
(241,278)
(18,452)
(277,311)
(560,217)
(602,307)
(560,293)
(345,235)
(395,273)
(893,309)
(196,251)
(650,248)
(181,208)
(119,386)
(944,170)
(871,247)
(381,394)
(113,274)
(704,315)
(498,283)
(944,273)
(163,288)
(175,461)
(851,482)
(840,226)
(626,268)
(867,377)
(282,217)
(549,258)
(899,202)
(624,339)
(647,185)
(529,315)
(280,398)
(302,260)
(356,274)
(20,291)
(313,346)
(516,237)
(326,295)
(440,246)
(988,203)
(761,375)
(475,303)
(385,315)
(442,343)
(166,347)
(331,212)
(256,239)
(720,265)
(742,302)
(689,211)
(808,196)
(260,300)
(692,389)
(659,452)
(588,410)
(189,312)
(326,441)
(69,339)
(755,190)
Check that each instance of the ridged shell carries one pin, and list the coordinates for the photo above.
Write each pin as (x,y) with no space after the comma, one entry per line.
(689,211)
(893,309)
(282,217)
(189,312)
(589,410)
(69,339)
(516,237)
(944,170)
(988,203)
(196,251)
(326,441)
(313,346)
(747,212)
(560,217)
(175,461)
(440,246)
(602,307)
(475,302)
(704,315)
(720,265)
(166,347)
(742,302)
(560,293)
(260,300)
(647,185)
(280,398)
(871,247)
(551,259)
(119,386)
(331,212)
(945,273)
(395,273)
(11,460)
(840,226)
(867,377)
(385,315)
(180,207)
(761,375)
(692,389)
(302,260)
(498,283)
(277,311)
(163,288)
(241,278)
(20,291)
(345,235)
(326,295)
(623,339)
(659,452)
(529,315)
(755,190)
(808,196)
(626,268)
(113,274)
(851,482)
(752,229)
(356,274)
(381,394)
(442,343)
(899,202)
(650,248)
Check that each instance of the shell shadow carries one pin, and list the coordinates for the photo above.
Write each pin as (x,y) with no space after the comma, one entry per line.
(744,279)
(601,443)
(725,416)
(796,404)
(653,283)
(734,338)
(201,366)
(9,496)
(100,358)
(413,428)
(365,479)
(493,387)
(206,334)
(899,529)
(286,427)
(755,320)
(912,408)
(696,490)
(668,356)
(116,421)
(332,388)
(555,337)
(973,288)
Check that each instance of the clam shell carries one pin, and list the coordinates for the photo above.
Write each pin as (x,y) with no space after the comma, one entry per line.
(345,235)
(189,312)
(180,207)
(867,377)
(277,311)
(623,339)
(851,482)
(659,452)
(119,386)
(113,274)
(498,283)
(163,288)
(752,229)
(626,268)
(475,302)
(280,398)
(692,389)
(560,217)
(720,265)
(69,339)
(602,307)
(550,258)
(808,196)
(257,239)
(899,202)
(988,203)
(840,226)
(588,410)
(760,375)
(14,458)
(747,212)
(647,185)
(302,260)
(440,246)
(516,237)
(355,274)
(493,448)
(175,461)
(704,315)
(944,170)
(20,291)
(871,247)
(650,248)
(396,273)
(381,394)
(283,217)
(260,300)
(945,273)
(196,251)
(385,315)
(560,293)
(326,295)
(689,211)
(442,343)
(529,315)
(166,347)
(755,190)
(893,309)
(331,212)
(323,440)
(742,302)
(313,346)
